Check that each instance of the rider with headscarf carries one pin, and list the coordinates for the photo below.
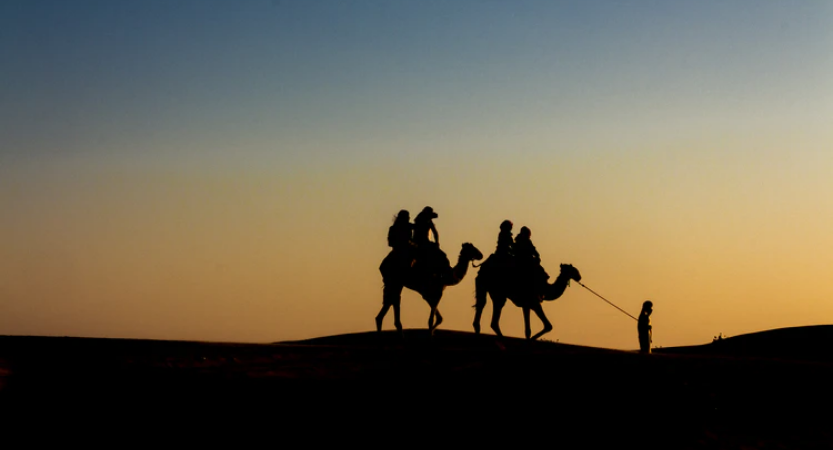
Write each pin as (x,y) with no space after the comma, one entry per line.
(399,238)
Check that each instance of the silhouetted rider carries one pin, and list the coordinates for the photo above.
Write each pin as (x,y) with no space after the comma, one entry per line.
(428,252)
(399,238)
(503,251)
(527,257)
(523,248)
(400,233)
(423,223)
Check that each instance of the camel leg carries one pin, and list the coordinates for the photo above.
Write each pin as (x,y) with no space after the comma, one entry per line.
(381,316)
(434,319)
(431,319)
(527,328)
(396,320)
(497,304)
(391,296)
(539,311)
(477,313)
(481,291)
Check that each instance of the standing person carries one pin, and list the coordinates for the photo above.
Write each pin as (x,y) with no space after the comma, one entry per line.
(644,327)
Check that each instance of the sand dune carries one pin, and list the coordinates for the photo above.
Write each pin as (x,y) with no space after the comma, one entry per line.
(811,343)
(761,390)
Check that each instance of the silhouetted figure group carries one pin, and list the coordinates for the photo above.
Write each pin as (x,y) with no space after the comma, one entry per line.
(520,255)
(413,247)
(417,263)
(513,272)
(411,242)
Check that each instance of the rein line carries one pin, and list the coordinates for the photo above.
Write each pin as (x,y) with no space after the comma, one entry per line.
(620,309)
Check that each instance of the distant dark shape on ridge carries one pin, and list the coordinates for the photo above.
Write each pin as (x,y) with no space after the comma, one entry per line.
(644,327)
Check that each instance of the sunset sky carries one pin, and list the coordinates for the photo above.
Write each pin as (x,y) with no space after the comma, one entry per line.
(228,170)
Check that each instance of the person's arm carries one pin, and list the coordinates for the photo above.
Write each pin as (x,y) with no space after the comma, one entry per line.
(436,235)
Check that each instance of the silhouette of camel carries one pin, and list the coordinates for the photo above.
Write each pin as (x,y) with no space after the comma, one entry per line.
(428,283)
(501,282)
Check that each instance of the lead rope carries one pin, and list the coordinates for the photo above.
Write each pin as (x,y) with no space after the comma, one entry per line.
(620,309)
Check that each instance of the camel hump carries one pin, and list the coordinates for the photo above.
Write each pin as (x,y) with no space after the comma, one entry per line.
(432,259)
(438,258)
(442,259)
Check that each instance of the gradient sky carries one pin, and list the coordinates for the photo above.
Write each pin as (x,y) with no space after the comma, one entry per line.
(227,170)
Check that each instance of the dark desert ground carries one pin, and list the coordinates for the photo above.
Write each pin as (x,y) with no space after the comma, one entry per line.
(762,390)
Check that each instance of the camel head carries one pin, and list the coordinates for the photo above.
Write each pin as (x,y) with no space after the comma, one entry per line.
(470,252)
(570,272)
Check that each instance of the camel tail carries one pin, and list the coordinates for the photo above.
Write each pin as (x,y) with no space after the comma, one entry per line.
(480,292)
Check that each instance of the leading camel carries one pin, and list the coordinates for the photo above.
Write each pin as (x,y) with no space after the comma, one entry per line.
(420,277)
(500,282)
